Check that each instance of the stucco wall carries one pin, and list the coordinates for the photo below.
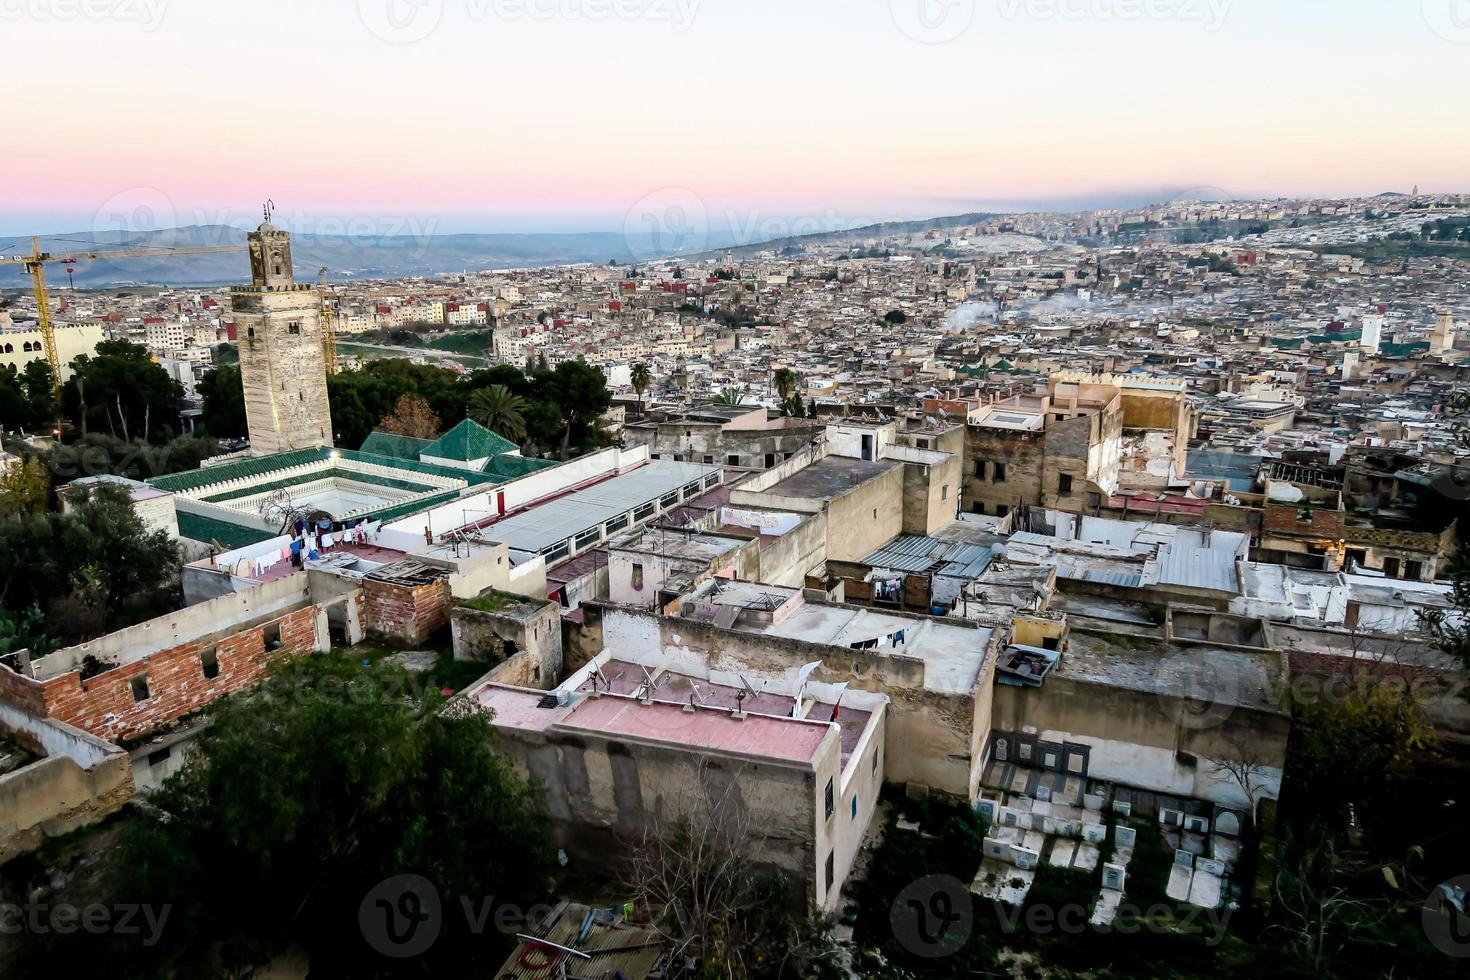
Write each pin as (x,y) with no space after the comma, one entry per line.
(80,781)
(930,736)
(534,629)
(604,794)
(1146,739)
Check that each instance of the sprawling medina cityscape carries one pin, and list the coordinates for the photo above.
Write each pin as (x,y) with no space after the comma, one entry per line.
(735,490)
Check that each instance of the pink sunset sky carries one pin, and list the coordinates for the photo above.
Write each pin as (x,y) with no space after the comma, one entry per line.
(561,115)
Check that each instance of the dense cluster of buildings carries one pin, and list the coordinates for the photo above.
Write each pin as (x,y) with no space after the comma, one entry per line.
(1054,534)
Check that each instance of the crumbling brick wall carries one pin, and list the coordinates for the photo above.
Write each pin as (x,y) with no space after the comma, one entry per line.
(406,613)
(173,682)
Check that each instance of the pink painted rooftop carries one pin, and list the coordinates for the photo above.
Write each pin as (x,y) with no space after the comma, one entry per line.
(761,736)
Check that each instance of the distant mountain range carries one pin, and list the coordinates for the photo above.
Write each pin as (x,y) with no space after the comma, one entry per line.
(344,257)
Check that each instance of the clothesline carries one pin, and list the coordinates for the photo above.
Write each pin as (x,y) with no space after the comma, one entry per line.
(308,541)
(895,640)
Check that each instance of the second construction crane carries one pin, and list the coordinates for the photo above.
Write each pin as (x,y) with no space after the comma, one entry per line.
(35,264)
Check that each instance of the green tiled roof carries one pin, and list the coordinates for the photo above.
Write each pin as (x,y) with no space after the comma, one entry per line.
(505,468)
(207,529)
(467,441)
(240,469)
(373,478)
(399,447)
(408,465)
(265,465)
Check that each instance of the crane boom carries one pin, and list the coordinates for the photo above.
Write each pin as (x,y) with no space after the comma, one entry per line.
(35,264)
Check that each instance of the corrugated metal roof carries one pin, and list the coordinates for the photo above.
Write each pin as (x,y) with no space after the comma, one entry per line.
(544,527)
(1102,576)
(967,561)
(909,553)
(1195,568)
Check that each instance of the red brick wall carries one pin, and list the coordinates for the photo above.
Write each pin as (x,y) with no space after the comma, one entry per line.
(405,613)
(22,692)
(1284,518)
(176,682)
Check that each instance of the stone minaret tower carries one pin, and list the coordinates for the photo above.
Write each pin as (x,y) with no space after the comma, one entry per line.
(282,358)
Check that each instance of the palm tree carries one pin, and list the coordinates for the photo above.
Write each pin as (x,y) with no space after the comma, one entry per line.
(727,396)
(500,410)
(642,378)
(785,382)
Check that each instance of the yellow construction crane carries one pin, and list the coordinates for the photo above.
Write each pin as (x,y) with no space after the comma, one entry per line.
(329,324)
(35,264)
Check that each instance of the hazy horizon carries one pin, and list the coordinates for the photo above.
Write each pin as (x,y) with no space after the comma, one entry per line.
(564,116)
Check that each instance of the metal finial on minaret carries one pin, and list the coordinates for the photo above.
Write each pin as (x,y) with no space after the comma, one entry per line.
(268,208)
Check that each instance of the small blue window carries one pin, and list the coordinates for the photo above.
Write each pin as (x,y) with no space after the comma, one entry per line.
(854,806)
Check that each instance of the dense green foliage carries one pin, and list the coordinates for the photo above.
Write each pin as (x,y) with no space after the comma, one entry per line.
(560,409)
(121,391)
(25,397)
(223,395)
(305,795)
(93,569)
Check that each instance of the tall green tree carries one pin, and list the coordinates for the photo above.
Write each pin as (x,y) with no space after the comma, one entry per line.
(121,391)
(307,799)
(93,569)
(224,402)
(785,381)
(581,393)
(500,410)
(642,379)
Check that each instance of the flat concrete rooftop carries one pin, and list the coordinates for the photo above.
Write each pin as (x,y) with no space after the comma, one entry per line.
(953,655)
(830,477)
(1218,676)
(674,687)
(759,736)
